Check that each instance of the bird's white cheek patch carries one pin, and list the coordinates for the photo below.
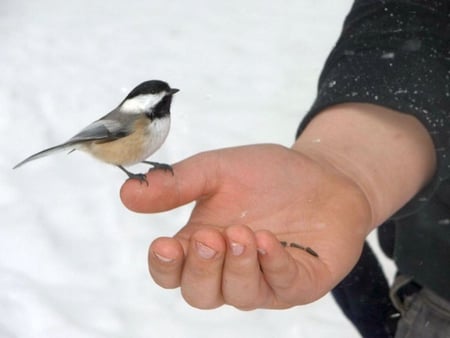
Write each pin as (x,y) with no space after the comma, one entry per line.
(141,103)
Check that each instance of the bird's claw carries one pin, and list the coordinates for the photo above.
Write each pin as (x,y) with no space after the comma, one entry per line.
(132,176)
(159,166)
(140,177)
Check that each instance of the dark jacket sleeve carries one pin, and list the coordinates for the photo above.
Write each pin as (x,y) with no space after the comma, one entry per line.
(395,54)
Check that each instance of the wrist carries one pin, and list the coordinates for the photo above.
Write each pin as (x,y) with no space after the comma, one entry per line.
(387,154)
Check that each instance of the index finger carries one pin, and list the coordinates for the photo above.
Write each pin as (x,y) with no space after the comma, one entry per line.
(193,178)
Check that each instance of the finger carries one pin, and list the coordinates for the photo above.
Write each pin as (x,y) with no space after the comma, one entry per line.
(202,273)
(290,279)
(242,284)
(193,178)
(165,262)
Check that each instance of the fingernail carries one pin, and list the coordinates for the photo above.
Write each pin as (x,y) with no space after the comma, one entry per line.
(162,258)
(205,251)
(261,251)
(236,248)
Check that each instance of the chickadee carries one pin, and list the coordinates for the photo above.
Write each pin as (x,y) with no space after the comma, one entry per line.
(128,134)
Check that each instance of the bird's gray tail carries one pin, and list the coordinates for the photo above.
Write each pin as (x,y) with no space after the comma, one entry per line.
(44,153)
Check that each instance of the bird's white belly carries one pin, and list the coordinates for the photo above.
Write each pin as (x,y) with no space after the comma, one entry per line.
(157,134)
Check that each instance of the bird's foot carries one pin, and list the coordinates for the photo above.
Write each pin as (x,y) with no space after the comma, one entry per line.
(140,177)
(159,166)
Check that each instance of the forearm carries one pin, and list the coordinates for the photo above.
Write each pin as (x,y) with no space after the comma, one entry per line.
(390,54)
(388,155)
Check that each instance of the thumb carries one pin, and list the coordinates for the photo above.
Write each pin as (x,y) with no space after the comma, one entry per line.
(193,178)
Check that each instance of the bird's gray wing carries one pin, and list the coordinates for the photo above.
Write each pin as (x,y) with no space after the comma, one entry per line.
(102,129)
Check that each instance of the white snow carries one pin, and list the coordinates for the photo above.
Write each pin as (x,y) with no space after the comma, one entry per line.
(72,257)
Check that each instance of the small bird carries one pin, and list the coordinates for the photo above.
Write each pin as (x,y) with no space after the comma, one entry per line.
(129,134)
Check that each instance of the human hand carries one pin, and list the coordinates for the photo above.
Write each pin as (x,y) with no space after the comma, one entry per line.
(248,199)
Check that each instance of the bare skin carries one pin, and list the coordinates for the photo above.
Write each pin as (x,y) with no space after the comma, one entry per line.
(352,167)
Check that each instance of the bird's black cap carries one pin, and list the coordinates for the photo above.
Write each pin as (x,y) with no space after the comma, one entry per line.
(151,87)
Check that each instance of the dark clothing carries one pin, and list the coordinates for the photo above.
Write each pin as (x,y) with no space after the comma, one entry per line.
(363,296)
(427,316)
(422,244)
(396,53)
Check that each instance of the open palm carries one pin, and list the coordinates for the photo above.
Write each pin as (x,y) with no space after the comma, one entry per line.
(247,200)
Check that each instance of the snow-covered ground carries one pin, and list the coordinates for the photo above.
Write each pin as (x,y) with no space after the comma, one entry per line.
(72,258)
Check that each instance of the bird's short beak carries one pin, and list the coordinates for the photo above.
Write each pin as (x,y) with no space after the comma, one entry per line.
(173,91)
